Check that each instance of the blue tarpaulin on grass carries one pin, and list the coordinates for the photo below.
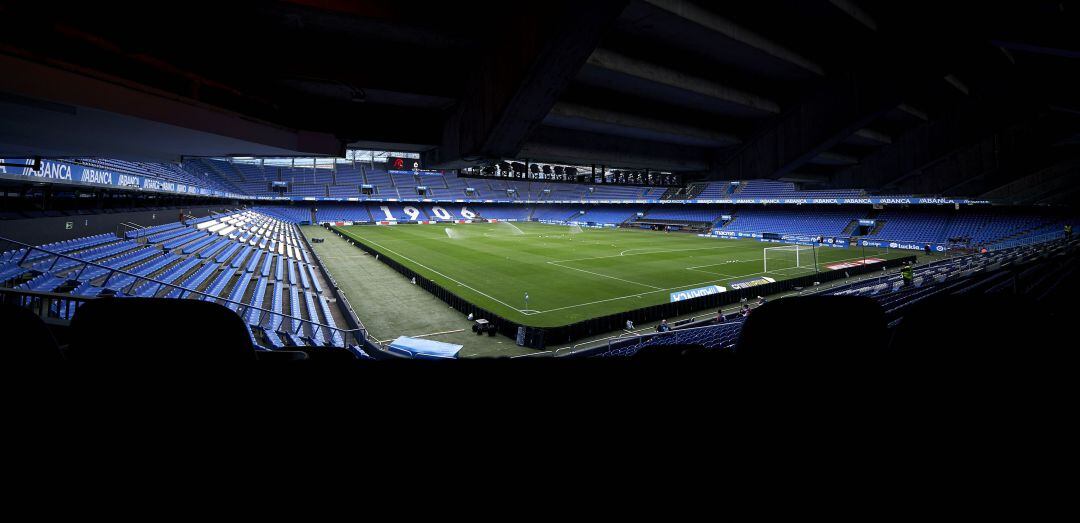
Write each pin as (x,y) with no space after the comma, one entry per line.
(421,348)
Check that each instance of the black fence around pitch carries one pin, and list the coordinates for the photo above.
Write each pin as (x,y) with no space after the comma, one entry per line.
(539,337)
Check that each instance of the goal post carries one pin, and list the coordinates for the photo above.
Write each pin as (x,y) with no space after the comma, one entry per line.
(789,257)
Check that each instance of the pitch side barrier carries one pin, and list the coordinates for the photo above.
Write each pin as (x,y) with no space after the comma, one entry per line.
(540,337)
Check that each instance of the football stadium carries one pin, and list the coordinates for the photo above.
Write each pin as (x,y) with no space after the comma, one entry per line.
(375,183)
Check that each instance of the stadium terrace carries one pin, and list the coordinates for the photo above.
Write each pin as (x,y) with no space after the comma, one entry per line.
(644,180)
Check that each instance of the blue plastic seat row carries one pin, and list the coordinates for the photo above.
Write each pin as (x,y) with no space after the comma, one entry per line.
(267,262)
(120,282)
(11,256)
(183,239)
(153,230)
(218,286)
(150,288)
(217,247)
(194,281)
(292,272)
(275,305)
(239,259)
(304,278)
(87,242)
(237,293)
(684,213)
(91,255)
(86,289)
(336,338)
(317,333)
(273,338)
(254,262)
(314,279)
(294,340)
(43,283)
(225,254)
(195,246)
(254,315)
(65,247)
(294,309)
(169,235)
(12,271)
(90,272)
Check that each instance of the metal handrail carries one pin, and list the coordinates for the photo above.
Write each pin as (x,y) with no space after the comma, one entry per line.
(242,309)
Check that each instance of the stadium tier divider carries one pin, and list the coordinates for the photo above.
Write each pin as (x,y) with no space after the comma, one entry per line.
(539,337)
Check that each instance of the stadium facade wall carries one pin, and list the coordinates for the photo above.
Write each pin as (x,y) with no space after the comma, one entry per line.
(538,338)
(39,231)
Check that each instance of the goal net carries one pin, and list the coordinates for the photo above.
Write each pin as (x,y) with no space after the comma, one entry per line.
(788,257)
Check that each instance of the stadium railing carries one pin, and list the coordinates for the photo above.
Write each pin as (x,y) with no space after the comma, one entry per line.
(707,333)
(60,307)
(1031,240)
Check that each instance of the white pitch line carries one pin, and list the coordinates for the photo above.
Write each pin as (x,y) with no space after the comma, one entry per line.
(534,312)
(436,333)
(728,276)
(604,275)
(671,289)
(774,271)
(722,263)
(633,295)
(644,253)
(440,274)
(343,257)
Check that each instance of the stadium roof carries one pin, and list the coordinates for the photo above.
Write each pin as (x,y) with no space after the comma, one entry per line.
(971,98)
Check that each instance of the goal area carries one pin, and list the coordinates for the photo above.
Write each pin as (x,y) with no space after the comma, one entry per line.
(789,257)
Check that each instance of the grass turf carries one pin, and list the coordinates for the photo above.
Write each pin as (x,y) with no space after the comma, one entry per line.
(572,276)
(389,306)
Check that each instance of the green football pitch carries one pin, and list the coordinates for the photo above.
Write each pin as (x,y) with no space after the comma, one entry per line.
(572,274)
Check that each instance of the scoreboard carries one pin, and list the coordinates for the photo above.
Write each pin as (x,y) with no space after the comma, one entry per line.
(399,163)
(402,165)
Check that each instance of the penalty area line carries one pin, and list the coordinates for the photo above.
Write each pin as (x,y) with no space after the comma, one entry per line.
(605,276)
(358,237)
(721,280)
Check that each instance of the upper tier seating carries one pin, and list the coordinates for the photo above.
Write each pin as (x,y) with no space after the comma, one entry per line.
(683,213)
(825,222)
